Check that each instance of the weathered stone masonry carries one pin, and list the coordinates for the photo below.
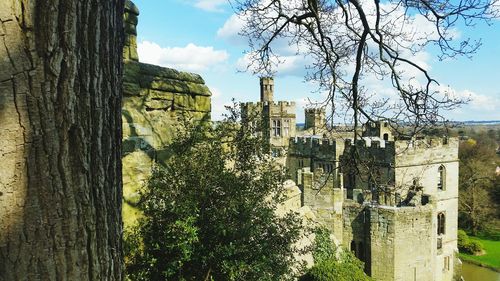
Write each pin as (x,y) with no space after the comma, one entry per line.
(155,99)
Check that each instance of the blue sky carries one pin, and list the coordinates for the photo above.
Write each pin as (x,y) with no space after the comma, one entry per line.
(201,36)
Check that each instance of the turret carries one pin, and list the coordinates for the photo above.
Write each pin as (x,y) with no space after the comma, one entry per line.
(381,129)
(266,89)
(315,118)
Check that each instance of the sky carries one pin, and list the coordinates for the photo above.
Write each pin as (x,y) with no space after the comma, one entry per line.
(201,36)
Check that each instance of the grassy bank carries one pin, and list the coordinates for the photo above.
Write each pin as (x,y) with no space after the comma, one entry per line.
(492,257)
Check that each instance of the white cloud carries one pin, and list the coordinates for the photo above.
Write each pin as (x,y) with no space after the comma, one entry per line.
(292,65)
(210,5)
(231,28)
(188,58)
(477,101)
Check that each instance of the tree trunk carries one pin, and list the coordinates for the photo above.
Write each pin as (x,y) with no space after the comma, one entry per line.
(60,140)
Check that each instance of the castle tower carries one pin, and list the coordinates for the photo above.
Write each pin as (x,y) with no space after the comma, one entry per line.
(315,118)
(266,89)
(381,129)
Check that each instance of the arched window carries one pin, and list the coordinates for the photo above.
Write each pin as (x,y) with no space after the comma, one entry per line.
(441,177)
(441,224)
(386,136)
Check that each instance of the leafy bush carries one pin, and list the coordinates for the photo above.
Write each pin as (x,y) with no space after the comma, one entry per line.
(466,245)
(331,264)
(473,247)
(323,246)
(463,238)
(347,268)
(207,212)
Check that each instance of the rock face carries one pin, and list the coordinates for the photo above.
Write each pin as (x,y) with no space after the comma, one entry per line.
(130,20)
(155,99)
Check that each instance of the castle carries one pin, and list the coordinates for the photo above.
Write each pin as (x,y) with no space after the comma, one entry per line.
(279,117)
(391,200)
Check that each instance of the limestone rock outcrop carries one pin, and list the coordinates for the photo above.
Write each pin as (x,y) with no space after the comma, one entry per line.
(155,100)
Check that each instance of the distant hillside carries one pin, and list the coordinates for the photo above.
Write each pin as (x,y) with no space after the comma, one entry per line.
(486,122)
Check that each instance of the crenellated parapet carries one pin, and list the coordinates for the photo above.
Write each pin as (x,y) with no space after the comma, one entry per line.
(426,150)
(315,119)
(406,152)
(319,148)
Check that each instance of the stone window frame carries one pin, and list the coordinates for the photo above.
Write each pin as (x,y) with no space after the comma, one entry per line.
(441,185)
(276,127)
(446,263)
(286,127)
(441,223)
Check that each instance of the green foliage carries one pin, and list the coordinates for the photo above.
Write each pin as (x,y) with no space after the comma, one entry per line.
(332,265)
(479,190)
(209,212)
(462,237)
(347,268)
(466,245)
(323,246)
(490,256)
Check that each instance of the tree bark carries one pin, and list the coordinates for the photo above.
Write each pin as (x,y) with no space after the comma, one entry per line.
(60,139)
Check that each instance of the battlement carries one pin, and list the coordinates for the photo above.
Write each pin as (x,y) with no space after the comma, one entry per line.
(315,110)
(315,118)
(400,145)
(312,141)
(370,142)
(286,103)
(427,143)
(271,108)
(267,103)
(313,146)
(407,152)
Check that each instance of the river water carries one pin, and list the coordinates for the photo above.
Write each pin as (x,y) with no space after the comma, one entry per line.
(472,272)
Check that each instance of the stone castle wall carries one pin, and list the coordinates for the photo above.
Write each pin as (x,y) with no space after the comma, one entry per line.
(313,153)
(323,198)
(282,111)
(394,243)
(402,235)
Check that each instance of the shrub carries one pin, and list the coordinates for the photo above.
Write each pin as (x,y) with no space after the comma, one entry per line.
(332,269)
(463,239)
(331,264)
(466,245)
(207,214)
(475,247)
